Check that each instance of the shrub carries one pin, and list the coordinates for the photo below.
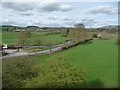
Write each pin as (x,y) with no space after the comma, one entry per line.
(94,35)
(64,33)
(54,73)
(64,47)
(79,34)
(38,42)
(23,38)
(57,73)
(104,35)
(11,46)
(15,71)
(117,38)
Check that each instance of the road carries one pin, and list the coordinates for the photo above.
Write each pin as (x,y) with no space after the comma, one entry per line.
(55,48)
(15,53)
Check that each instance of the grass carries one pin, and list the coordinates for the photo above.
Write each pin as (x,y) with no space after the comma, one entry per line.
(10,37)
(98,58)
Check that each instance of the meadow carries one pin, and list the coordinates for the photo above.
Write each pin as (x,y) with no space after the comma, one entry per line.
(10,37)
(98,58)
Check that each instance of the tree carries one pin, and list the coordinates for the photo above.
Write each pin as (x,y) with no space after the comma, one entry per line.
(117,38)
(104,35)
(23,38)
(64,33)
(79,34)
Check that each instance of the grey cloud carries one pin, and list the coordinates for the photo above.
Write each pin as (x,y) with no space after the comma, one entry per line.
(101,9)
(53,6)
(65,8)
(87,20)
(53,25)
(48,24)
(58,17)
(52,17)
(40,14)
(38,23)
(21,6)
(70,22)
(100,24)
(13,22)
(9,23)
(41,6)
(27,14)
(65,18)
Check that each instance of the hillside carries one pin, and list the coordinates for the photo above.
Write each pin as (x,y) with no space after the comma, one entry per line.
(110,27)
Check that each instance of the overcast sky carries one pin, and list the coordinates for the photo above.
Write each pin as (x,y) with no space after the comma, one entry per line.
(59,14)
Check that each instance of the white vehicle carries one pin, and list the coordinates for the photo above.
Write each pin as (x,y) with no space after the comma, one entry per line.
(5,46)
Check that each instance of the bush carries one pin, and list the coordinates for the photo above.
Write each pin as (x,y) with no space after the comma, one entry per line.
(57,73)
(16,71)
(117,38)
(79,34)
(64,47)
(95,35)
(52,33)
(38,42)
(11,46)
(64,33)
(54,73)
(104,35)
(23,38)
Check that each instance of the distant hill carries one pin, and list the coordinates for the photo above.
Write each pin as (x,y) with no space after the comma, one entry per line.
(32,27)
(111,27)
(7,27)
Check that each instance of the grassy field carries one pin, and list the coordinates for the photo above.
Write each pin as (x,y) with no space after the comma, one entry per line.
(99,59)
(10,37)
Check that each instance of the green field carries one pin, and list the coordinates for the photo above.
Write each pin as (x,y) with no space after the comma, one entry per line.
(99,59)
(10,37)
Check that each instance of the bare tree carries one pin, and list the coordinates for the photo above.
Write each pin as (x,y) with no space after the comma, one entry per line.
(79,34)
(64,33)
(104,35)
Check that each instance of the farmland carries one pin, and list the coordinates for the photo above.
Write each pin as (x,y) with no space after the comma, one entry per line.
(56,44)
(91,62)
(98,58)
(10,37)
(95,60)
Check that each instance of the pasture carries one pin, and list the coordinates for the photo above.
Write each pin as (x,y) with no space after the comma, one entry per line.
(10,38)
(98,58)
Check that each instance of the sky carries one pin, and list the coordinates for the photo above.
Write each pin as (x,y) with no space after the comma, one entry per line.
(54,13)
